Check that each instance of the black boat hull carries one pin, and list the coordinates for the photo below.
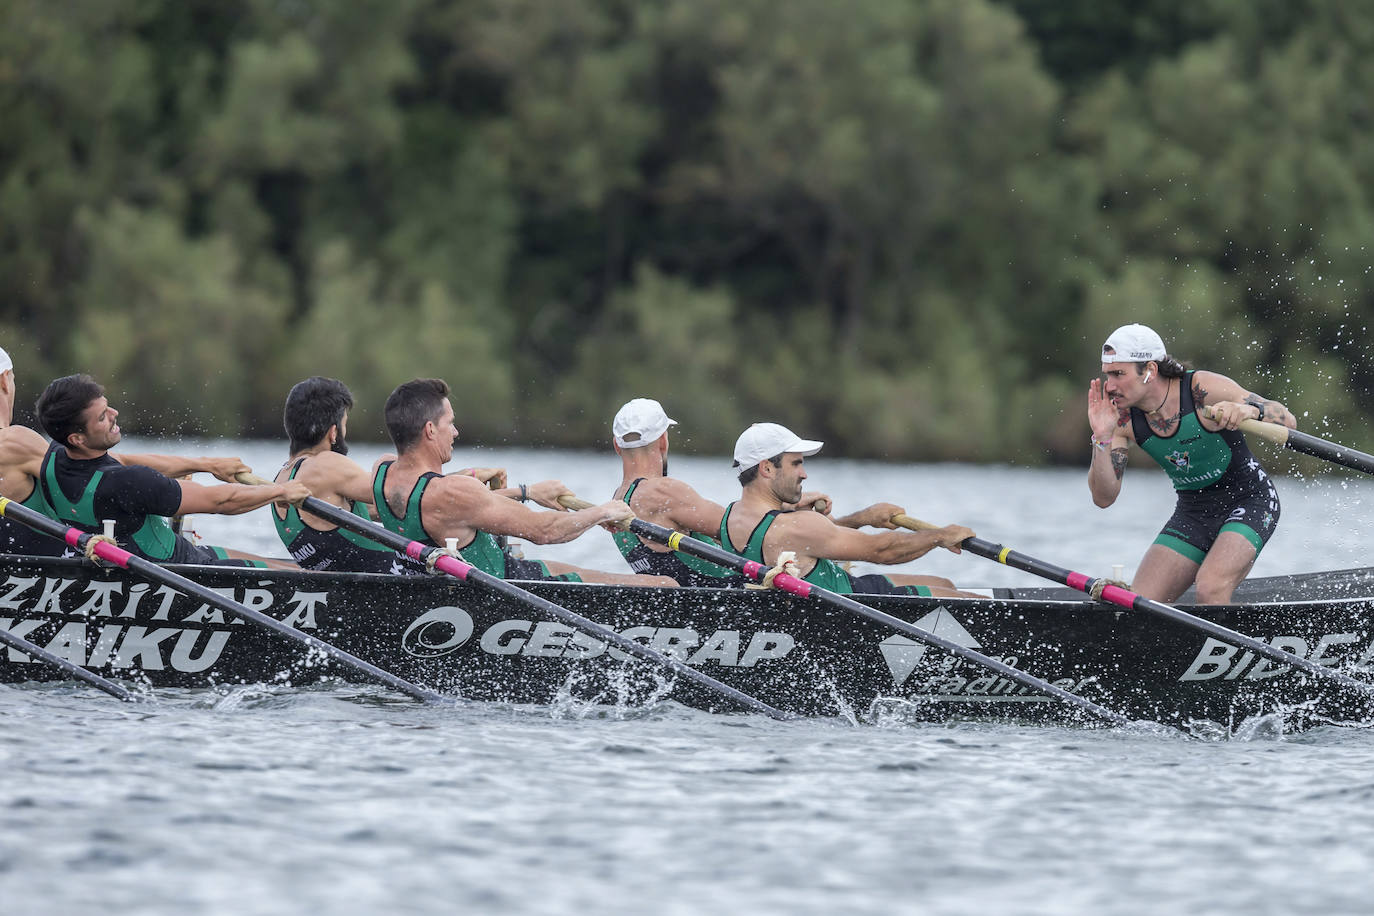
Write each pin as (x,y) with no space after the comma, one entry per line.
(799,656)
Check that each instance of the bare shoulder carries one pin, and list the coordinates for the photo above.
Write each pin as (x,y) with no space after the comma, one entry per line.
(665,491)
(1124,427)
(460,488)
(19,445)
(1212,387)
(803,523)
(330,462)
(327,467)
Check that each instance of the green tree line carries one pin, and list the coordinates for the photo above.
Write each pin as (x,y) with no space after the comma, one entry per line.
(904,226)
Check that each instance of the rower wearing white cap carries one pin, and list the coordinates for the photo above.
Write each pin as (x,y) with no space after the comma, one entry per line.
(1227,506)
(761,525)
(640,432)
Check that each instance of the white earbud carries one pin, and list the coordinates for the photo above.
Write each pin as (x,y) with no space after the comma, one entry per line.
(1147,375)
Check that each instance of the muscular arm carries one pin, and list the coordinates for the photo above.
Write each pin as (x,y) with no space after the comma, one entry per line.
(336,480)
(176,466)
(455,506)
(878,515)
(673,504)
(235,498)
(1112,426)
(1231,403)
(814,536)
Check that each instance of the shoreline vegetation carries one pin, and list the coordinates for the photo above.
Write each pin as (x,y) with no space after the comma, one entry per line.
(903,227)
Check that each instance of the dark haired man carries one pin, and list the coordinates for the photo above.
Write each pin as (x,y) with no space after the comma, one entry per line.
(414,498)
(316,422)
(771,470)
(83,484)
(21,458)
(1227,506)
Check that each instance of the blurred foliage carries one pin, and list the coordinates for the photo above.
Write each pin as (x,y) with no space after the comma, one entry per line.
(903,226)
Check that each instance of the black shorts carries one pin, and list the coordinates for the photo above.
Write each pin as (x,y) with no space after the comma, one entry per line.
(876,584)
(1201,517)
(209,555)
(534,569)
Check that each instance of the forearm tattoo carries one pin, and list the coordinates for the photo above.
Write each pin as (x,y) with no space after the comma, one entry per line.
(1119,456)
(1271,411)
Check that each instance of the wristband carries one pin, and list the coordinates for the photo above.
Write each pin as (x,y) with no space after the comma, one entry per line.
(524,493)
(1099,444)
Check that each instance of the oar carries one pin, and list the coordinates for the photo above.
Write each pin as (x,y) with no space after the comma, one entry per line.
(1122,597)
(1309,444)
(467,573)
(803,589)
(57,661)
(150,570)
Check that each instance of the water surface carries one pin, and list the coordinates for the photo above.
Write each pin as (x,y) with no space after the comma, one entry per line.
(347,799)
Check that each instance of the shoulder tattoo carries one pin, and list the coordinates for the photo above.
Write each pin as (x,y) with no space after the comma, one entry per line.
(1199,393)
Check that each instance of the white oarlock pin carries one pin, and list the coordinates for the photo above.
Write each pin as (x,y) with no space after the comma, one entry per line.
(109,524)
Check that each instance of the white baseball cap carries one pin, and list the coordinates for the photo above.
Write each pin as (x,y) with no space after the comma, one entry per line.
(5,362)
(640,422)
(1133,343)
(768,440)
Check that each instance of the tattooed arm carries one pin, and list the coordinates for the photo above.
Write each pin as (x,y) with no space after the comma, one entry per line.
(1231,404)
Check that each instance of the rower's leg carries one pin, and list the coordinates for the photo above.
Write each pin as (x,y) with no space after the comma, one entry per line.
(269,562)
(605,578)
(939,586)
(1227,564)
(900,579)
(1164,574)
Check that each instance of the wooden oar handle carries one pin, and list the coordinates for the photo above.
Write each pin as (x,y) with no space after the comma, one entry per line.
(251,479)
(568,501)
(902,520)
(1274,432)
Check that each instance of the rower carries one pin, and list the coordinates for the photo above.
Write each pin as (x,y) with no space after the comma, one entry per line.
(640,434)
(770,462)
(316,422)
(414,498)
(84,484)
(21,460)
(1227,507)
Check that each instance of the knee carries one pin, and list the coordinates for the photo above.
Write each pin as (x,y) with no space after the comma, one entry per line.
(1214,591)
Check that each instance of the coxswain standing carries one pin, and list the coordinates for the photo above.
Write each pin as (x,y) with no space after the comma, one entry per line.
(1227,507)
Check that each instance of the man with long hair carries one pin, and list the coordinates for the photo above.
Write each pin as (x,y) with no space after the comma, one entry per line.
(1227,507)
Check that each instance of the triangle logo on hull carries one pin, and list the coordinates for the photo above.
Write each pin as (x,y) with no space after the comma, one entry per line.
(903,654)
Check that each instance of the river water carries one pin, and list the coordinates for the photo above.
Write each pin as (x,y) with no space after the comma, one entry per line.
(349,800)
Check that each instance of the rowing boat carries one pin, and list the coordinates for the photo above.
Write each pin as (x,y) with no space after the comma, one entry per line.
(793,654)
